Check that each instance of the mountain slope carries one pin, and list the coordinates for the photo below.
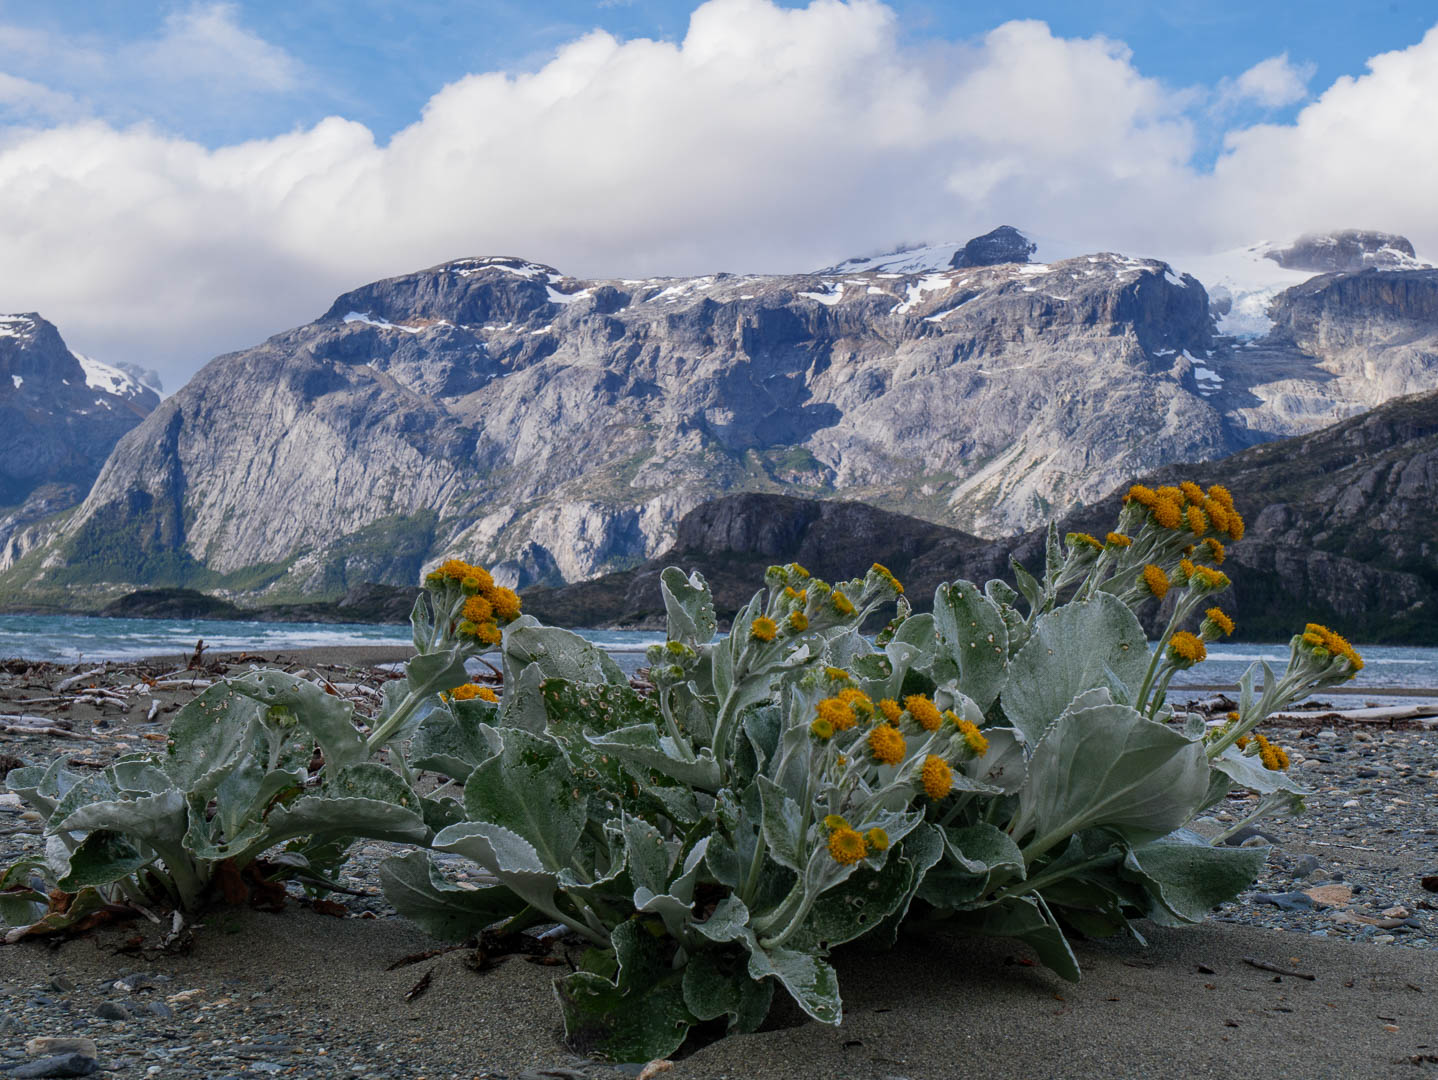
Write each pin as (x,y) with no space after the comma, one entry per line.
(60,416)
(560,428)
(1342,528)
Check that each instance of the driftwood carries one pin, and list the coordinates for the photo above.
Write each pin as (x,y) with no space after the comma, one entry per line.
(65,684)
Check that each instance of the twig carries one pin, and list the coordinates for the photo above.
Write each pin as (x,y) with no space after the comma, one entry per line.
(42,728)
(154,708)
(65,684)
(1264,965)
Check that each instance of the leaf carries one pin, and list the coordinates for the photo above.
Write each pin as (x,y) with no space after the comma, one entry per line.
(414,886)
(1250,772)
(102,857)
(448,740)
(643,746)
(811,982)
(1187,878)
(328,718)
(781,822)
(640,1015)
(1070,649)
(688,606)
(433,672)
(718,984)
(858,905)
(156,819)
(976,638)
(209,736)
(365,800)
(1028,585)
(983,849)
(43,788)
(1109,766)
(506,855)
(529,789)
(1028,919)
(1005,765)
(559,654)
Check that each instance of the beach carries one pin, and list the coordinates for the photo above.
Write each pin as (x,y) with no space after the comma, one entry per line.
(312,991)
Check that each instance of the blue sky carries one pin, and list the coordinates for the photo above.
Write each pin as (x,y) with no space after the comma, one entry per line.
(379,61)
(182,178)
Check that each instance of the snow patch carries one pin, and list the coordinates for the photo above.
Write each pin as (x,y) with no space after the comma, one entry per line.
(557,297)
(15,326)
(832,294)
(112,380)
(368,320)
(915,294)
(18,380)
(921,259)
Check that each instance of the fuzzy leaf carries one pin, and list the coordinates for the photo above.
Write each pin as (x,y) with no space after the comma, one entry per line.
(1067,655)
(1186,878)
(529,789)
(414,886)
(102,857)
(328,718)
(975,637)
(688,606)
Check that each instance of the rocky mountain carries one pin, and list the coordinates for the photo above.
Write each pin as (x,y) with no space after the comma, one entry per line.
(1342,529)
(60,416)
(560,428)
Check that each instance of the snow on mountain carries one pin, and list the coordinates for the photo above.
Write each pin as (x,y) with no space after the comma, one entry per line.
(905,259)
(113,380)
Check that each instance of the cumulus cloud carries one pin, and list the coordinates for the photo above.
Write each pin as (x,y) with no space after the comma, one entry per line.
(1269,84)
(766,139)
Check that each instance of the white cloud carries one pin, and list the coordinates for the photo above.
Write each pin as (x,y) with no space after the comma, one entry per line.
(207,43)
(766,139)
(1270,84)
(23,101)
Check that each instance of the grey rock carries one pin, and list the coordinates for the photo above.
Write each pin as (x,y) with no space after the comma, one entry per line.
(1004,245)
(160,1009)
(50,1045)
(112,1010)
(58,1065)
(1305,866)
(1287,901)
(1346,250)
(62,984)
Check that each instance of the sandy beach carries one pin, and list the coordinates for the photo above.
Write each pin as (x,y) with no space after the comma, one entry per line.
(308,994)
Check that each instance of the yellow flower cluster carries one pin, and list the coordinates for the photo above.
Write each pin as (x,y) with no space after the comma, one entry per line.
(891,709)
(763,628)
(888,578)
(973,737)
(1274,758)
(842,604)
(798,622)
(924,712)
(1118,540)
(1189,506)
(1186,649)
(1321,639)
(487,606)
(1077,538)
(937,777)
(847,846)
(470,691)
(1155,581)
(1220,621)
(887,744)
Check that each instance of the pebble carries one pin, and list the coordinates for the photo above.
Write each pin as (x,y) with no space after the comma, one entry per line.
(112,1010)
(1288,901)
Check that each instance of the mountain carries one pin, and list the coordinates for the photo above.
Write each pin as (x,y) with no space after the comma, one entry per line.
(60,416)
(560,428)
(1342,529)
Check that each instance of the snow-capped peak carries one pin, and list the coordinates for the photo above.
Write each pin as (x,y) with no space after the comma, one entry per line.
(16,326)
(905,259)
(123,384)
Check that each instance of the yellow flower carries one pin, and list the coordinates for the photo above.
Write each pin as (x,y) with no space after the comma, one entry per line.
(937,777)
(1220,619)
(846,846)
(821,729)
(763,629)
(973,737)
(1154,580)
(1231,717)
(1186,649)
(841,761)
(1191,491)
(1210,579)
(1118,540)
(1219,494)
(1197,523)
(858,701)
(470,691)
(1235,526)
(1242,741)
(836,712)
(458,570)
(477,609)
(506,603)
(798,622)
(891,709)
(887,744)
(878,839)
(842,604)
(1168,491)
(1217,514)
(1167,513)
(798,571)
(836,674)
(1144,496)
(1216,550)
(888,576)
(834,821)
(1324,638)
(1076,538)
(924,711)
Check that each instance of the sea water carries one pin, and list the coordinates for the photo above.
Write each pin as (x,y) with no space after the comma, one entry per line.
(78,638)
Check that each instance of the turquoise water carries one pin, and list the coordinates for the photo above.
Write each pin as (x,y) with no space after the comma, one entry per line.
(72,638)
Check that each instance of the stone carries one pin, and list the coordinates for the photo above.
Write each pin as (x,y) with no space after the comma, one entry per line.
(1288,901)
(58,1066)
(112,1010)
(1329,895)
(49,1046)
(1305,866)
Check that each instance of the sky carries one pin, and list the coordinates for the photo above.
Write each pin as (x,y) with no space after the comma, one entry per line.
(182,179)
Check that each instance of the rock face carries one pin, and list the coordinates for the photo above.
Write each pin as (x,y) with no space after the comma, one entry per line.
(1342,529)
(559,429)
(1004,245)
(60,416)
(1346,251)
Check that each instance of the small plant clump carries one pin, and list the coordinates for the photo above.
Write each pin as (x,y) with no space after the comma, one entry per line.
(1005,765)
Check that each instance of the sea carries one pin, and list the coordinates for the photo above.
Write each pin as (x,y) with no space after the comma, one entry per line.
(78,638)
